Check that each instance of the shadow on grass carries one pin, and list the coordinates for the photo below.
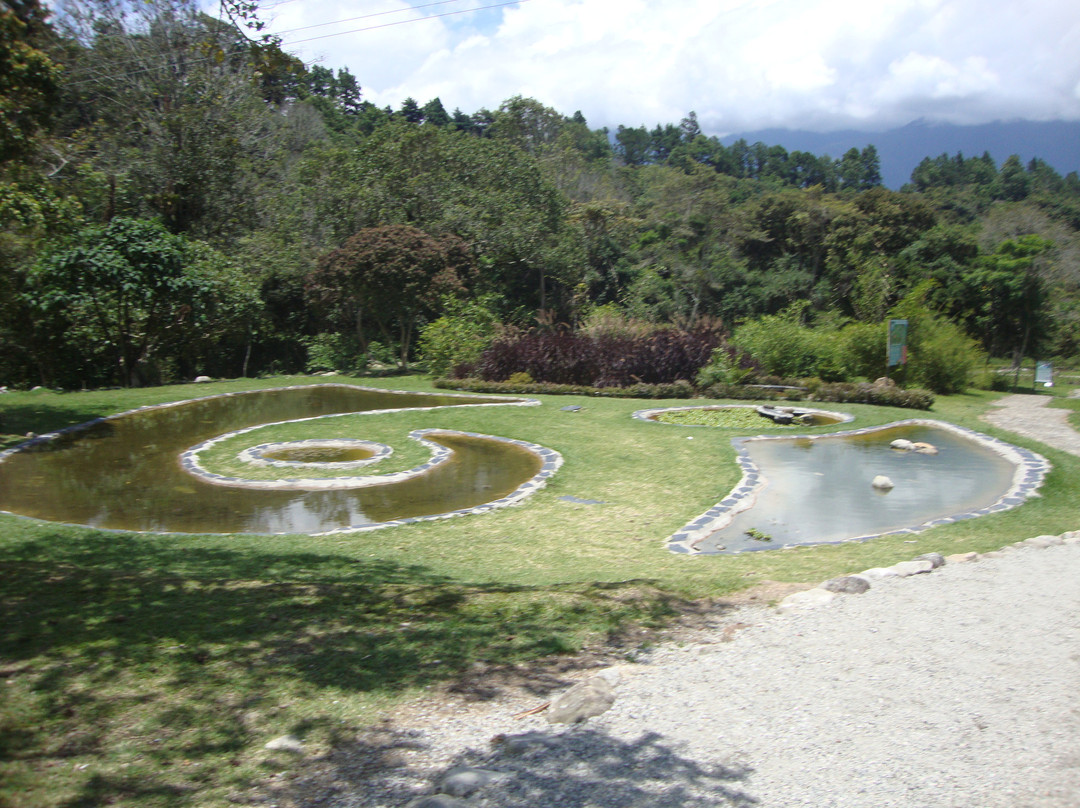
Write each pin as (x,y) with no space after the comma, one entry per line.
(122,641)
(586,768)
(16,420)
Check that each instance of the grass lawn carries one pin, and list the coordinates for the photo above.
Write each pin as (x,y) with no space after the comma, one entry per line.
(150,670)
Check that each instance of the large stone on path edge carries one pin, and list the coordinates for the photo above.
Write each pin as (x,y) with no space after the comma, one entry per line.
(582,701)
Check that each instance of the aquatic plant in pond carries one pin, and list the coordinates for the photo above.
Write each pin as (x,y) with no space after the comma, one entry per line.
(743,416)
(123,472)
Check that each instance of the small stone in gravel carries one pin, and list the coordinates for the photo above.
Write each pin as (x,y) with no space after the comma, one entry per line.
(937,559)
(519,744)
(878,573)
(907,568)
(847,584)
(613,676)
(581,702)
(463,780)
(437,801)
(806,599)
(1041,542)
(962,558)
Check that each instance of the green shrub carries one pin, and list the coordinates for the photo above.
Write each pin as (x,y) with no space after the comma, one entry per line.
(458,338)
(727,365)
(943,357)
(782,346)
(333,352)
(864,346)
(881,395)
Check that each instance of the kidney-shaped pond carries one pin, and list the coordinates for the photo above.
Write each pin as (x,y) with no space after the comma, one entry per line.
(819,489)
(125,472)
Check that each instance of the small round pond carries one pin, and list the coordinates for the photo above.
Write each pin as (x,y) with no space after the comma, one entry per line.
(319,455)
(135,471)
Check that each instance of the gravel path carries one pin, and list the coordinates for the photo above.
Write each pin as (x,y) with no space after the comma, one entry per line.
(1029,416)
(958,688)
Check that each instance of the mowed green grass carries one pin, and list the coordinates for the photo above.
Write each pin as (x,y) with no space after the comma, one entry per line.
(150,670)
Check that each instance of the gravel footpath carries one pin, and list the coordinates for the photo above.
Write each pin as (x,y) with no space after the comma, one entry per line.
(958,688)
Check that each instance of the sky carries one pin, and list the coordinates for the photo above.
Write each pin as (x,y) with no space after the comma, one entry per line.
(741,65)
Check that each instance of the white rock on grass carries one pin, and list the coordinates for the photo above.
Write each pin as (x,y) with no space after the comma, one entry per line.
(286,743)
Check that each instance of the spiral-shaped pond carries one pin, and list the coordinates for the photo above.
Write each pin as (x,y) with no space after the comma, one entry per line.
(137,470)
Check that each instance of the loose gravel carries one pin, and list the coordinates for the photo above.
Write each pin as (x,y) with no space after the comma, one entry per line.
(958,688)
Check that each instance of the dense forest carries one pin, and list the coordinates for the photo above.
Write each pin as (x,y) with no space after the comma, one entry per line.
(180,197)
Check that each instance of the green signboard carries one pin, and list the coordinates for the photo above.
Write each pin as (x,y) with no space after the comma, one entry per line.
(897,346)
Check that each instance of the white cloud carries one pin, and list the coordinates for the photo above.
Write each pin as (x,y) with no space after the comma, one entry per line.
(740,64)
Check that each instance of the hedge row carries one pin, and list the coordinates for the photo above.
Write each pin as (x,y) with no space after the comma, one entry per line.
(673,390)
(603,360)
(846,393)
(815,390)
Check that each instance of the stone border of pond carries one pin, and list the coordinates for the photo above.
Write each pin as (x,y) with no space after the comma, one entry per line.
(1029,474)
(551,460)
(256,455)
(650,415)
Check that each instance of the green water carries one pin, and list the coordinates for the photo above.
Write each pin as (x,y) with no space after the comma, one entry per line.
(125,473)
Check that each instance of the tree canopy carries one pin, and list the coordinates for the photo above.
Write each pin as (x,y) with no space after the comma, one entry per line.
(303,211)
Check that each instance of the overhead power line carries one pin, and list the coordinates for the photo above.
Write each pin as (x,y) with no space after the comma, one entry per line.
(369,16)
(403,22)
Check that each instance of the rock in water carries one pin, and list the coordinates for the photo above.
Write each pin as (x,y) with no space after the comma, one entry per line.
(882,483)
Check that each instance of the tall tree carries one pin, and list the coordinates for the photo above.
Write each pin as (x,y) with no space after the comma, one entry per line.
(29,79)
(127,282)
(171,110)
(390,274)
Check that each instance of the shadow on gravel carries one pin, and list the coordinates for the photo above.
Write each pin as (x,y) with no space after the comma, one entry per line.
(582,768)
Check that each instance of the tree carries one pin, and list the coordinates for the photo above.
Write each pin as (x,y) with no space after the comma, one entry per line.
(28,79)
(170,110)
(390,273)
(411,111)
(1007,298)
(1013,183)
(632,145)
(435,113)
(126,282)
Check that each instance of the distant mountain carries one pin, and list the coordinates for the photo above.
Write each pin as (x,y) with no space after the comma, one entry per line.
(900,150)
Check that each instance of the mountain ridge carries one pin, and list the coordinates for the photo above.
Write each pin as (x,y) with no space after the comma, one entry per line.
(901,149)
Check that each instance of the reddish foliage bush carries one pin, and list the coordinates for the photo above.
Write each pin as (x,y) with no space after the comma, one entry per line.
(602,360)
